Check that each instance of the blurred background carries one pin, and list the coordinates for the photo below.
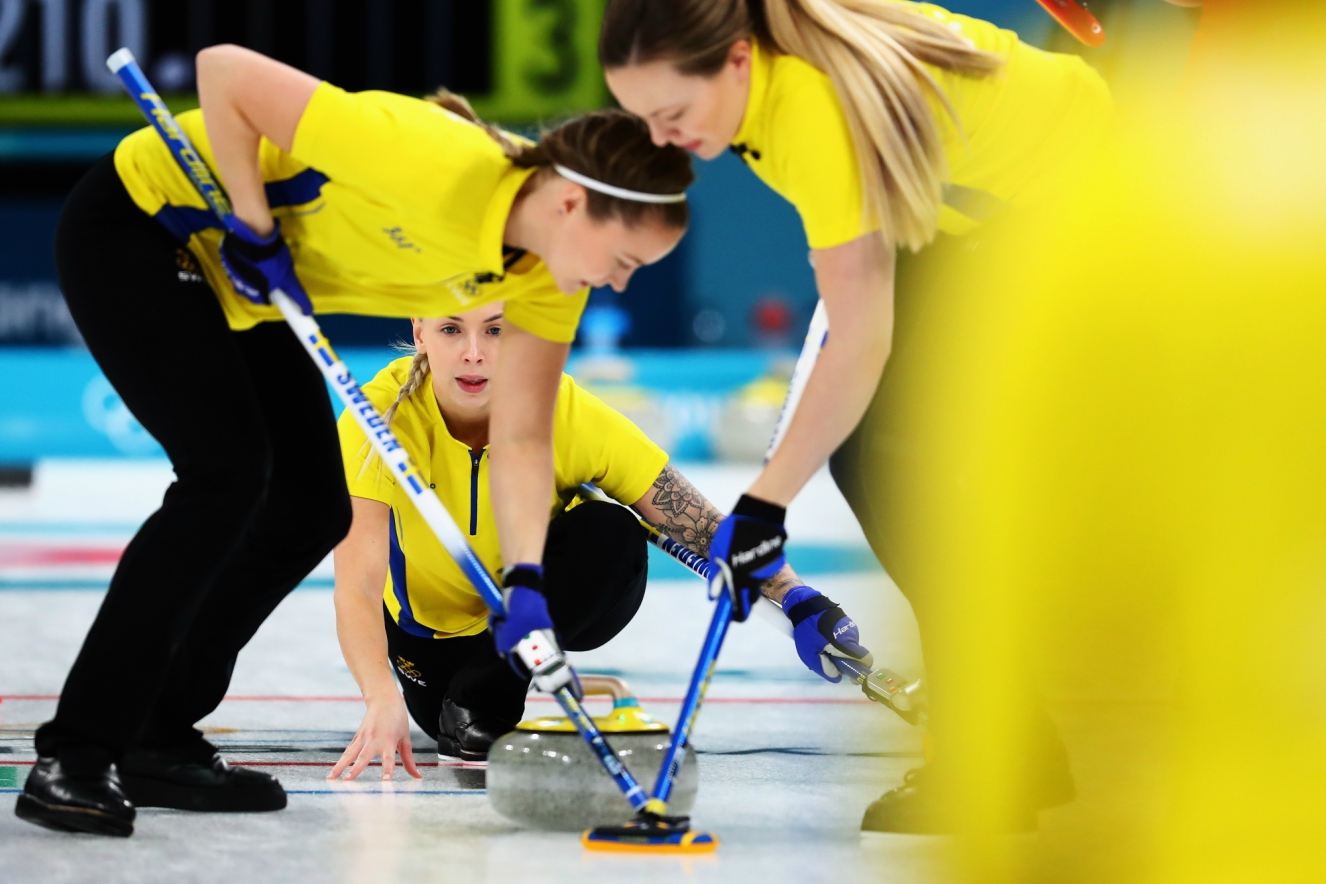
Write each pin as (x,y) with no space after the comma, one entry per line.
(1131,493)
(739,290)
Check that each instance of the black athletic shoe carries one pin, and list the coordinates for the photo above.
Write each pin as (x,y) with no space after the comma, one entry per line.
(465,735)
(197,779)
(918,807)
(92,803)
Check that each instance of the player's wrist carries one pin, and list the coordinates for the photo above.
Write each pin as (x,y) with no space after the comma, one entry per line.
(524,574)
(802,602)
(755,508)
(383,696)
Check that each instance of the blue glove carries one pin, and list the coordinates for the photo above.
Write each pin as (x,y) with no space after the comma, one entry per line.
(748,548)
(257,265)
(822,631)
(526,611)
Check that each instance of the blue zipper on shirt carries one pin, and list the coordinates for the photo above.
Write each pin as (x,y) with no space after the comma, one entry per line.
(474,490)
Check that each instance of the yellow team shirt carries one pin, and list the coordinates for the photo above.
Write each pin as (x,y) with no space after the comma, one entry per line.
(426,592)
(391,206)
(1020,126)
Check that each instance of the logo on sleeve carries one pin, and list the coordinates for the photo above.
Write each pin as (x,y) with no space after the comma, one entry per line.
(470,286)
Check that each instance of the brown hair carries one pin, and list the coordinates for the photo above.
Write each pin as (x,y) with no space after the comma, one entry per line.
(872,50)
(607,145)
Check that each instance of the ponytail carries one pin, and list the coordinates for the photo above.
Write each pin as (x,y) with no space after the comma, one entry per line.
(874,52)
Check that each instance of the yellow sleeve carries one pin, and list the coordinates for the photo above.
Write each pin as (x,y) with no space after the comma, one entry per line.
(374,482)
(820,169)
(540,308)
(604,446)
(382,142)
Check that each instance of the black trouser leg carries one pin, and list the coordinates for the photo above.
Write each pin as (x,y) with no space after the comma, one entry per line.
(305,514)
(596,566)
(162,340)
(869,469)
(427,669)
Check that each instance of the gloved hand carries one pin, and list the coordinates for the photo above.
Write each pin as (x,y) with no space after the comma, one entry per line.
(822,631)
(526,611)
(748,548)
(258,264)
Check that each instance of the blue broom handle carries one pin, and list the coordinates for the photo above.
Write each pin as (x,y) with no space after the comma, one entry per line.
(539,650)
(690,706)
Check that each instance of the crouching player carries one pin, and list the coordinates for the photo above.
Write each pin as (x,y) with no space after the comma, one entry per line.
(404,607)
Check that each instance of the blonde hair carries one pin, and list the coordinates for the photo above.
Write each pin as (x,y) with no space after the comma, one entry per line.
(874,52)
(418,373)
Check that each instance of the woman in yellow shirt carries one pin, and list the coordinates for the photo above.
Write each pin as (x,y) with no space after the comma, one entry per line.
(368,203)
(883,123)
(404,606)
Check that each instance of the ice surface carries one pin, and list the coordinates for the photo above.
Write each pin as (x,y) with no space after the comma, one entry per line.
(787,762)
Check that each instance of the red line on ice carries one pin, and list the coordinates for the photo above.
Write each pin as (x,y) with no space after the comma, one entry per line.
(535,698)
(30,554)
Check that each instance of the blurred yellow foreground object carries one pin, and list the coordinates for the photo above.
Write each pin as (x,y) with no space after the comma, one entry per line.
(1118,472)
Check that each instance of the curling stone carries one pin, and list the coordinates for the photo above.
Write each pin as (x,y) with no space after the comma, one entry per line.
(742,429)
(542,774)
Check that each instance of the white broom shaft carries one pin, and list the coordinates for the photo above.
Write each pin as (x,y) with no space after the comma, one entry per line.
(816,335)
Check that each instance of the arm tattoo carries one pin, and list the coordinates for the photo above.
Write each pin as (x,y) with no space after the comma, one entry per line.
(777,586)
(688,517)
(691,520)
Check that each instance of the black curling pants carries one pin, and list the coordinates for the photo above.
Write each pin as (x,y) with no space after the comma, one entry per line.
(875,464)
(595,565)
(259,497)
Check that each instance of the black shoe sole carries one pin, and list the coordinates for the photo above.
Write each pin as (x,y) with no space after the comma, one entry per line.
(63,818)
(147,792)
(449,748)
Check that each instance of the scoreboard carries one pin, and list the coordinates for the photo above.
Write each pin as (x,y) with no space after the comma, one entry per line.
(519,61)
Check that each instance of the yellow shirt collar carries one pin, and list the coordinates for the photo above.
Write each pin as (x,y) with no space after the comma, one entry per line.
(437,424)
(761,69)
(494,218)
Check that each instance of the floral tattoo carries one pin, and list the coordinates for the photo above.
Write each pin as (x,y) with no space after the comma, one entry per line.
(689,519)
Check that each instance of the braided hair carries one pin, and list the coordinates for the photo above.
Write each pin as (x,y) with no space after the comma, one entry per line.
(419,372)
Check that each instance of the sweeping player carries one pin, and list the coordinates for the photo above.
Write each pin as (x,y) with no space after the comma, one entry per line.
(882,123)
(367,203)
(403,604)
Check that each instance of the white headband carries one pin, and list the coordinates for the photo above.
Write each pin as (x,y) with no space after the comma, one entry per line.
(619,192)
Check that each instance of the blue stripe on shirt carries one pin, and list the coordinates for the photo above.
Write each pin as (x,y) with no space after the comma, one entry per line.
(184,221)
(396,562)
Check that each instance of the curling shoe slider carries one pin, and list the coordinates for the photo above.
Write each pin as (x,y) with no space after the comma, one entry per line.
(89,801)
(197,779)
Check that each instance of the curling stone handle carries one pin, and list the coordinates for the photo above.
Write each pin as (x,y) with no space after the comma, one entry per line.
(606,685)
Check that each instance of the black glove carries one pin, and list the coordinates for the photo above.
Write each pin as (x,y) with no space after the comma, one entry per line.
(748,548)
